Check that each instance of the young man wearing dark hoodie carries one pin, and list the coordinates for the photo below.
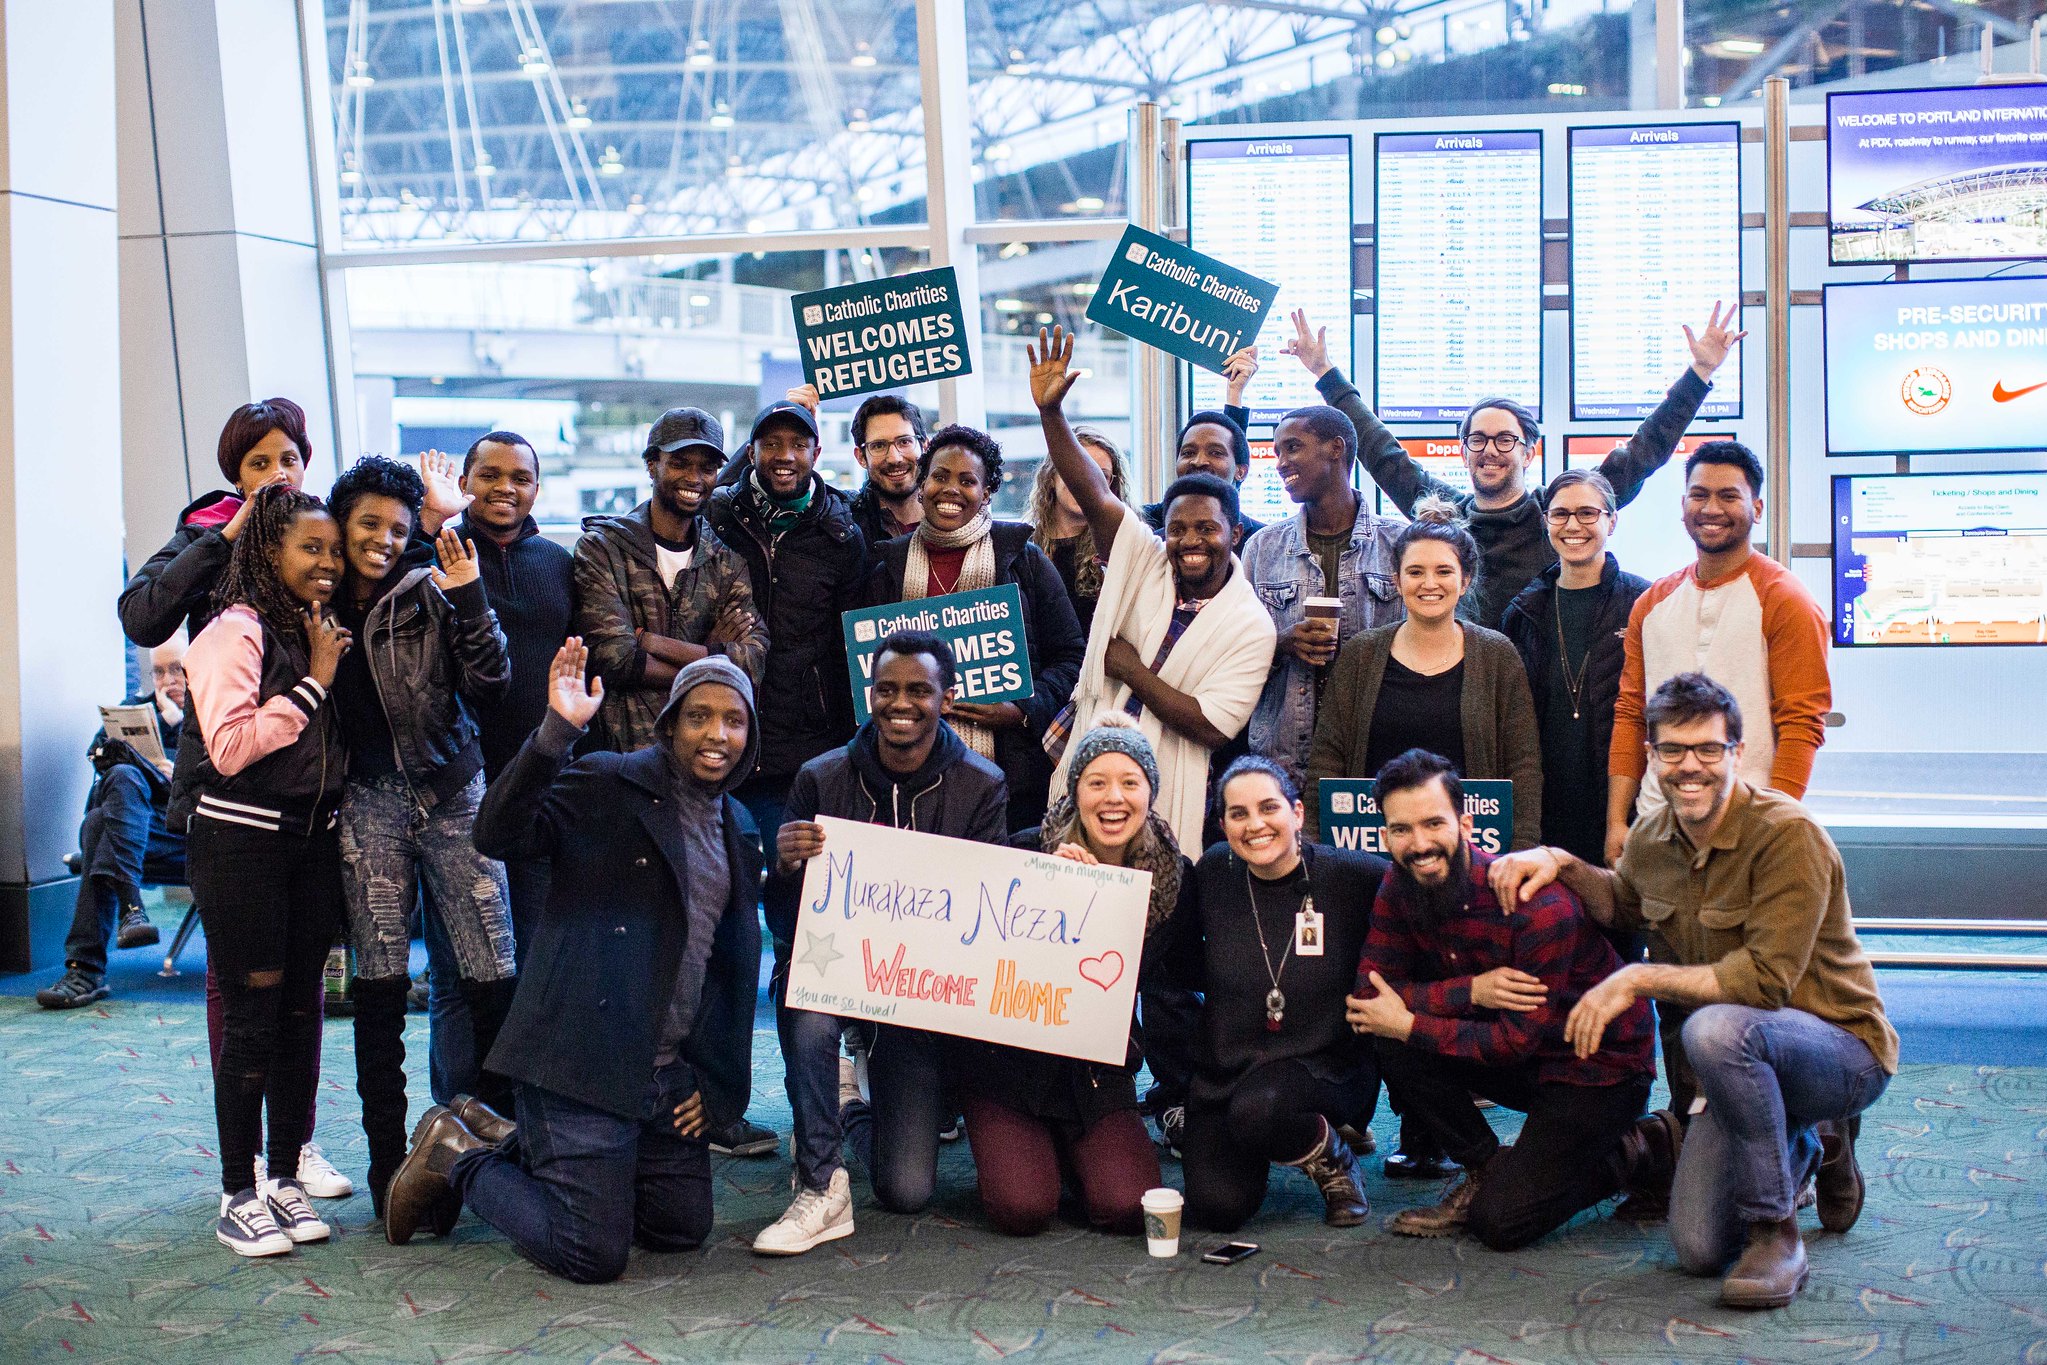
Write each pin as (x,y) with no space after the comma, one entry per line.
(907,769)
(648,941)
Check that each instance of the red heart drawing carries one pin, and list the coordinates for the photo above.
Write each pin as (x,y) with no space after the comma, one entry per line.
(1109,965)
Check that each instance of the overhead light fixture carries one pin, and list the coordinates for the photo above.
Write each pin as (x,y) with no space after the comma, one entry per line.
(485,167)
(858,123)
(733,169)
(700,300)
(1010,305)
(1083,289)
(700,52)
(533,61)
(1086,203)
(637,207)
(359,75)
(862,55)
(756,226)
(1001,151)
(1710,101)
(1386,35)
(1565,88)
(864,193)
(1401,53)
(1014,250)
(721,115)
(1743,47)
(609,163)
(351,176)
(476,4)
(579,114)
(1384,59)
(1018,65)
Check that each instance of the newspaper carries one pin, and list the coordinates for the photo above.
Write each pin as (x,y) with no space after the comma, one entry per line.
(136,726)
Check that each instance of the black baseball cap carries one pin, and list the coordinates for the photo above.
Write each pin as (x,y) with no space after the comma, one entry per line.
(680,427)
(784,409)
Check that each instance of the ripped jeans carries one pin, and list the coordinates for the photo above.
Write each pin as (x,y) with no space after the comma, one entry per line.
(388,846)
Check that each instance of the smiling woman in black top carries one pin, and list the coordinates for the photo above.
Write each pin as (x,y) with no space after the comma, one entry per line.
(1276,927)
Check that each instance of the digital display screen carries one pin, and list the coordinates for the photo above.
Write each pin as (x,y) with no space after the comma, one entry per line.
(1443,457)
(1951,174)
(1940,559)
(1261,496)
(1457,275)
(1280,209)
(1649,537)
(1655,244)
(1936,366)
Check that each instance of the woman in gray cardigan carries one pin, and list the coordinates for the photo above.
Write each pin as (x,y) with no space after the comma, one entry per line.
(1432,682)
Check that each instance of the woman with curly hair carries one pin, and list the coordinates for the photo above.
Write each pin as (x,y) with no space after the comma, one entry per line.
(258,778)
(1061,531)
(431,654)
(1031,1115)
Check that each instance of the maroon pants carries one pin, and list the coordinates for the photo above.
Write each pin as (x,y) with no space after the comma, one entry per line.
(216,1012)
(1020,1162)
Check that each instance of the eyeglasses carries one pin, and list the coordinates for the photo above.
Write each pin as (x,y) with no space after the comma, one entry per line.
(904,443)
(1712,751)
(1505,443)
(1584,516)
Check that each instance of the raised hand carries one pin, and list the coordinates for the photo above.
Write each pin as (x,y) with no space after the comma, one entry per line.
(1309,345)
(458,561)
(1237,372)
(1051,376)
(803,395)
(1710,347)
(568,694)
(445,499)
(326,641)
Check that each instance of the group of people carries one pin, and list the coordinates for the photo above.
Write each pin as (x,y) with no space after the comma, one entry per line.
(584,771)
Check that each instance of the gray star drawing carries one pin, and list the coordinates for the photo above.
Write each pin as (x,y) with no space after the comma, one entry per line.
(818,952)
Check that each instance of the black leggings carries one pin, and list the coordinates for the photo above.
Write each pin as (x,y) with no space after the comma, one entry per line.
(1274,1114)
(271,905)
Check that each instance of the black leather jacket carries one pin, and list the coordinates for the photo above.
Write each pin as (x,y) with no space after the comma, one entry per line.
(435,658)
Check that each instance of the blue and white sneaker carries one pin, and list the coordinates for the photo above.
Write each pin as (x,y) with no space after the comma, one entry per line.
(247,1228)
(294,1212)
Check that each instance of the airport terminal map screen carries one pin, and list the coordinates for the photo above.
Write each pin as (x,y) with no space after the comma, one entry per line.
(1278,208)
(1655,244)
(1457,283)
(1940,559)
(1953,174)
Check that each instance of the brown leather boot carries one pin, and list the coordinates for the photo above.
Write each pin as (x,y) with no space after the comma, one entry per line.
(1334,1169)
(482,1120)
(1839,1184)
(1771,1270)
(421,1181)
(1444,1218)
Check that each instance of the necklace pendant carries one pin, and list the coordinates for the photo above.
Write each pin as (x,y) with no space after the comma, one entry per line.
(1272,1022)
(1275,1007)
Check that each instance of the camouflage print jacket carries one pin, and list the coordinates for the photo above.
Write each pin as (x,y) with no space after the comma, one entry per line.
(619,591)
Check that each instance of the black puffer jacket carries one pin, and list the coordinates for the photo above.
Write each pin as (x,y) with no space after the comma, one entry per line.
(1530,622)
(175,588)
(803,579)
(435,658)
(1056,643)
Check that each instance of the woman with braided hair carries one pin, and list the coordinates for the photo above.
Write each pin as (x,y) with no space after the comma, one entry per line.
(1060,529)
(259,778)
(960,547)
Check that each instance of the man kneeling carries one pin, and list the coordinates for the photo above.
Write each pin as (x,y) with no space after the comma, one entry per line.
(648,945)
(1746,906)
(1477,1007)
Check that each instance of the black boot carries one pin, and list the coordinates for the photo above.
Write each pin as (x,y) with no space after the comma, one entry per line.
(1334,1170)
(380,1076)
(489,1002)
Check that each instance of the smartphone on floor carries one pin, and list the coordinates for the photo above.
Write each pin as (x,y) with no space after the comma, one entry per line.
(1229,1253)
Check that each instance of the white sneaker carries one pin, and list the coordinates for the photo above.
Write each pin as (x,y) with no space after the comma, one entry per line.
(814,1216)
(247,1228)
(316,1173)
(288,1205)
(849,1083)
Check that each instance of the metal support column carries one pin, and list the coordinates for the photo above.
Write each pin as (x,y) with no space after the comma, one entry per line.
(949,179)
(1151,371)
(1777,311)
(1670,54)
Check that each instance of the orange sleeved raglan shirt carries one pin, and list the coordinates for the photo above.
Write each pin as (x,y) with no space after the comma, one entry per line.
(1759,634)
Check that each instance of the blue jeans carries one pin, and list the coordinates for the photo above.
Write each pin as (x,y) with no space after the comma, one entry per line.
(452,1063)
(123,829)
(575,1187)
(1767,1077)
(897,1139)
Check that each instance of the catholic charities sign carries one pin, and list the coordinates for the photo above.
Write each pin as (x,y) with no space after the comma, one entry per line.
(974,940)
(1178,300)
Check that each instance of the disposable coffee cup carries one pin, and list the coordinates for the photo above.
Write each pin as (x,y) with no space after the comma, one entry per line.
(1323,608)
(1162,1221)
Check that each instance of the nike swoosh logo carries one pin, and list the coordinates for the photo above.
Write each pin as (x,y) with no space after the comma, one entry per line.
(2000,394)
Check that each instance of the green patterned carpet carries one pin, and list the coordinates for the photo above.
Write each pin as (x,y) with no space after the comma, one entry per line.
(107,1197)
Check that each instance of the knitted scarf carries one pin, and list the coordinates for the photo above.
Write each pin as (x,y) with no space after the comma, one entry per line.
(772,512)
(1154,850)
(976,571)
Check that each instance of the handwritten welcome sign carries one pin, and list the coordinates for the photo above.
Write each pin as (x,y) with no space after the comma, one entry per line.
(1351,819)
(969,939)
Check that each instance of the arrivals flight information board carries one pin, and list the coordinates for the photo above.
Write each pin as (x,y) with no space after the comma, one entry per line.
(1278,208)
(1457,273)
(1940,559)
(1655,244)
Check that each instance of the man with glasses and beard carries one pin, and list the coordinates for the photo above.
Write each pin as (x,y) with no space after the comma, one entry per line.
(1477,1007)
(1746,906)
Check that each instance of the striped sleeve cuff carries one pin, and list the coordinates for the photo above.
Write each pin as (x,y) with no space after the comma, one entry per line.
(308,694)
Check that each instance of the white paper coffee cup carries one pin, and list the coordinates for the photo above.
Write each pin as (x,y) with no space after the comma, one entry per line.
(1323,608)
(1162,1221)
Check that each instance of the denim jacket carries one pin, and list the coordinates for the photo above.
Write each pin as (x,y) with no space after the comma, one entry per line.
(1286,572)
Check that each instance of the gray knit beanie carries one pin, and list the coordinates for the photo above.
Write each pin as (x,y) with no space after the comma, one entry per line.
(1113,732)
